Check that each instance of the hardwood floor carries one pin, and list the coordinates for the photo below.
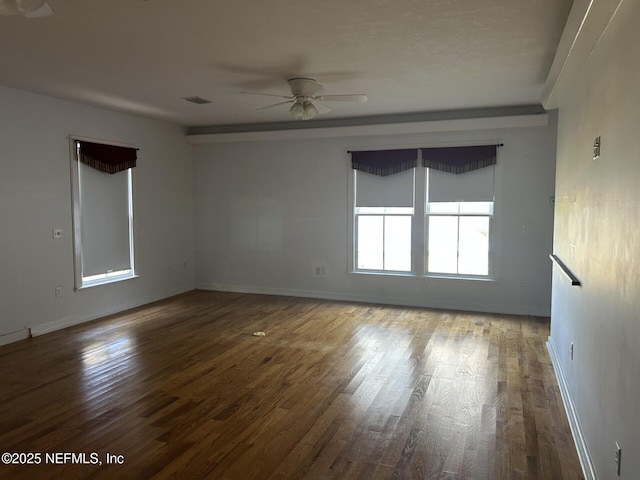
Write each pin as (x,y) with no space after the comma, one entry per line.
(181,389)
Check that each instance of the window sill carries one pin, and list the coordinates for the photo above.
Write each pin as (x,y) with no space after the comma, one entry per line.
(441,276)
(428,276)
(382,273)
(105,281)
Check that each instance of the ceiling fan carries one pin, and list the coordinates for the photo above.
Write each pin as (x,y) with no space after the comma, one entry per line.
(305,101)
(28,8)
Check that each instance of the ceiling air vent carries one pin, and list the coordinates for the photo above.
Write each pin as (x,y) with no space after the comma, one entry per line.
(197,100)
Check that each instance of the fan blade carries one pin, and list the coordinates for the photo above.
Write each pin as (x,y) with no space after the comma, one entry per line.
(44,11)
(321,108)
(358,97)
(288,97)
(273,105)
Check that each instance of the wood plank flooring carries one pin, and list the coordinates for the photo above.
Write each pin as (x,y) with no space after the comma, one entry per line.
(181,389)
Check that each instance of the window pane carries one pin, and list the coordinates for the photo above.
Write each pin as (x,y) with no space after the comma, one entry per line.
(384,210)
(460,207)
(474,246)
(443,241)
(397,243)
(443,207)
(476,207)
(370,242)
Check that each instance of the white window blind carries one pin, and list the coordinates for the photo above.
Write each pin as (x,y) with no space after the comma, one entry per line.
(474,186)
(105,226)
(391,191)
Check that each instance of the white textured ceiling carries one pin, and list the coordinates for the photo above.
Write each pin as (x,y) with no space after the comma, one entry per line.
(409,56)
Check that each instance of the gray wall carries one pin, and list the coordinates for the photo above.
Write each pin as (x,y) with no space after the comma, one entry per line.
(597,234)
(269,212)
(35,196)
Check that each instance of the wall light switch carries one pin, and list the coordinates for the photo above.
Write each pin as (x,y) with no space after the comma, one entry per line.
(596,148)
(56,233)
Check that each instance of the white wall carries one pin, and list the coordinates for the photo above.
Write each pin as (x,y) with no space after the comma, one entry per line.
(269,212)
(35,196)
(597,234)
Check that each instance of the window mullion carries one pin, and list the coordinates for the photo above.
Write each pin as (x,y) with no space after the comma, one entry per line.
(418,221)
(458,246)
(384,238)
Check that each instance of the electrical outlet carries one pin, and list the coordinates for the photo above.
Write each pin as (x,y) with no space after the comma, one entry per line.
(571,350)
(56,233)
(618,458)
(58,292)
(320,271)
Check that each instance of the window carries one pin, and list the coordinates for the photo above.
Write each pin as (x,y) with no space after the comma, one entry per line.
(458,237)
(448,232)
(102,213)
(459,212)
(384,210)
(384,239)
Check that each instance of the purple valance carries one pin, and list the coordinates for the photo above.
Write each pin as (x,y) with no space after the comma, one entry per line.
(459,159)
(384,162)
(106,158)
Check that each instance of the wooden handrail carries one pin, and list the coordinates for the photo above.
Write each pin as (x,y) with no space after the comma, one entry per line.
(565,270)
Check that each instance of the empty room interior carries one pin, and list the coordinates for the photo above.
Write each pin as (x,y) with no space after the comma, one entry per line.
(294,239)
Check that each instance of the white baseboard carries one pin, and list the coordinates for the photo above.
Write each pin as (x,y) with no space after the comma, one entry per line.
(574,422)
(218,287)
(390,300)
(8,338)
(72,320)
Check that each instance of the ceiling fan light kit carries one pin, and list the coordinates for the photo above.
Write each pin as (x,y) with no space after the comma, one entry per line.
(303,110)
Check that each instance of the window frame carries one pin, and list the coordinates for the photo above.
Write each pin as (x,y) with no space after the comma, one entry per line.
(80,281)
(459,215)
(410,212)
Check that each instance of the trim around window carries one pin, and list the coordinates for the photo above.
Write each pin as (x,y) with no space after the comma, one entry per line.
(109,277)
(473,262)
(420,213)
(82,281)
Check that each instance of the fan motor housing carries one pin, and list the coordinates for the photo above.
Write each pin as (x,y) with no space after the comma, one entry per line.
(304,87)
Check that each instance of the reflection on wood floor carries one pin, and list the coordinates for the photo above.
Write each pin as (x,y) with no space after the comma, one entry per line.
(181,389)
